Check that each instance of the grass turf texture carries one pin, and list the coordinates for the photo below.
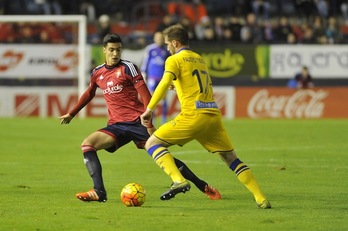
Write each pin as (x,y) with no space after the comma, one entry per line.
(301,166)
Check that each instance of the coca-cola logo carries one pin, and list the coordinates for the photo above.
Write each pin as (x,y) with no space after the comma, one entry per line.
(301,104)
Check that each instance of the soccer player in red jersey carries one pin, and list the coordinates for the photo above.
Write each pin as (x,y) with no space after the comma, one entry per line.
(121,83)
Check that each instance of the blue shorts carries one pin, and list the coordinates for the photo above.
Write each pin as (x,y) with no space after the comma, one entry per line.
(126,132)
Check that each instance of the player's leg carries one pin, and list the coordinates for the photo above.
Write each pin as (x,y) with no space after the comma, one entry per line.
(246,177)
(96,141)
(214,138)
(156,146)
(203,186)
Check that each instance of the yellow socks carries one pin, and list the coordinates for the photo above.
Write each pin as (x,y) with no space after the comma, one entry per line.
(165,161)
(245,176)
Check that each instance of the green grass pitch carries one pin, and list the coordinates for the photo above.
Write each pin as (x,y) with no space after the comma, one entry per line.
(301,165)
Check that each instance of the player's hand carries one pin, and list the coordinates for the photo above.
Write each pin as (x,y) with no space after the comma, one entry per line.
(151,130)
(172,87)
(146,119)
(65,119)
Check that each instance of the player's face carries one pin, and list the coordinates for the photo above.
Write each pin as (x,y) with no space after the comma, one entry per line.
(112,53)
(170,45)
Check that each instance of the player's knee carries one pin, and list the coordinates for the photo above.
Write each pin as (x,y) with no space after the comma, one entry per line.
(147,145)
(228,157)
(150,142)
(87,146)
(85,142)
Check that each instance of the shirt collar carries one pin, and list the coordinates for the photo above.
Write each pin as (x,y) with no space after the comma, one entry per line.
(183,48)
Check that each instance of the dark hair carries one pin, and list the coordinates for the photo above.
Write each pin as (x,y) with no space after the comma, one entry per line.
(111,38)
(177,32)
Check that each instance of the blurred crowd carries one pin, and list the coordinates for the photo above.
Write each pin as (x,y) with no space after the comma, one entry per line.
(237,21)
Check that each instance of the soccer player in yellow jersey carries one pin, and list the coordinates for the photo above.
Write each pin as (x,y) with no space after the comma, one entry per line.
(199,119)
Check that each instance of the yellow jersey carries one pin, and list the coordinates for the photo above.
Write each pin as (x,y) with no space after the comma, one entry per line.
(192,82)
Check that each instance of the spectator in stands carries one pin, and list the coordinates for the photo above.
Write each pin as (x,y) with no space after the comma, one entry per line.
(291,39)
(189,27)
(7,34)
(344,9)
(87,8)
(51,7)
(166,22)
(283,30)
(268,31)
(219,27)
(26,34)
(104,26)
(318,27)
(204,30)
(332,31)
(227,34)
(217,8)
(308,37)
(57,32)
(304,79)
(305,8)
(300,29)
(261,8)
(234,25)
(323,8)
(44,37)
(194,10)
(47,7)
(322,39)
(251,32)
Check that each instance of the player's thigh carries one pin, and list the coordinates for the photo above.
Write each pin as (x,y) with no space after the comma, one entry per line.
(213,135)
(178,131)
(99,140)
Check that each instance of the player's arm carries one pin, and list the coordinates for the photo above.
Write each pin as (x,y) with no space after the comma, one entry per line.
(86,97)
(158,95)
(161,90)
(145,96)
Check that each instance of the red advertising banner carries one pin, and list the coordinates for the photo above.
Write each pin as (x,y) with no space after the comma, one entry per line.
(278,102)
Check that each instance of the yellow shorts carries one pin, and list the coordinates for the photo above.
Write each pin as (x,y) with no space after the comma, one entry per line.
(206,128)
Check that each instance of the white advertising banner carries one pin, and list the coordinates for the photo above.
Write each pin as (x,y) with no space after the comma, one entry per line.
(323,61)
(40,61)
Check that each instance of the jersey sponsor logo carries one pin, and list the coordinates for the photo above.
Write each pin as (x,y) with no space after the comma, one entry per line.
(111,88)
(200,104)
(110,83)
(118,73)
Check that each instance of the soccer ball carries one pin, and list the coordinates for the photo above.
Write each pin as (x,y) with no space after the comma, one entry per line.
(133,194)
